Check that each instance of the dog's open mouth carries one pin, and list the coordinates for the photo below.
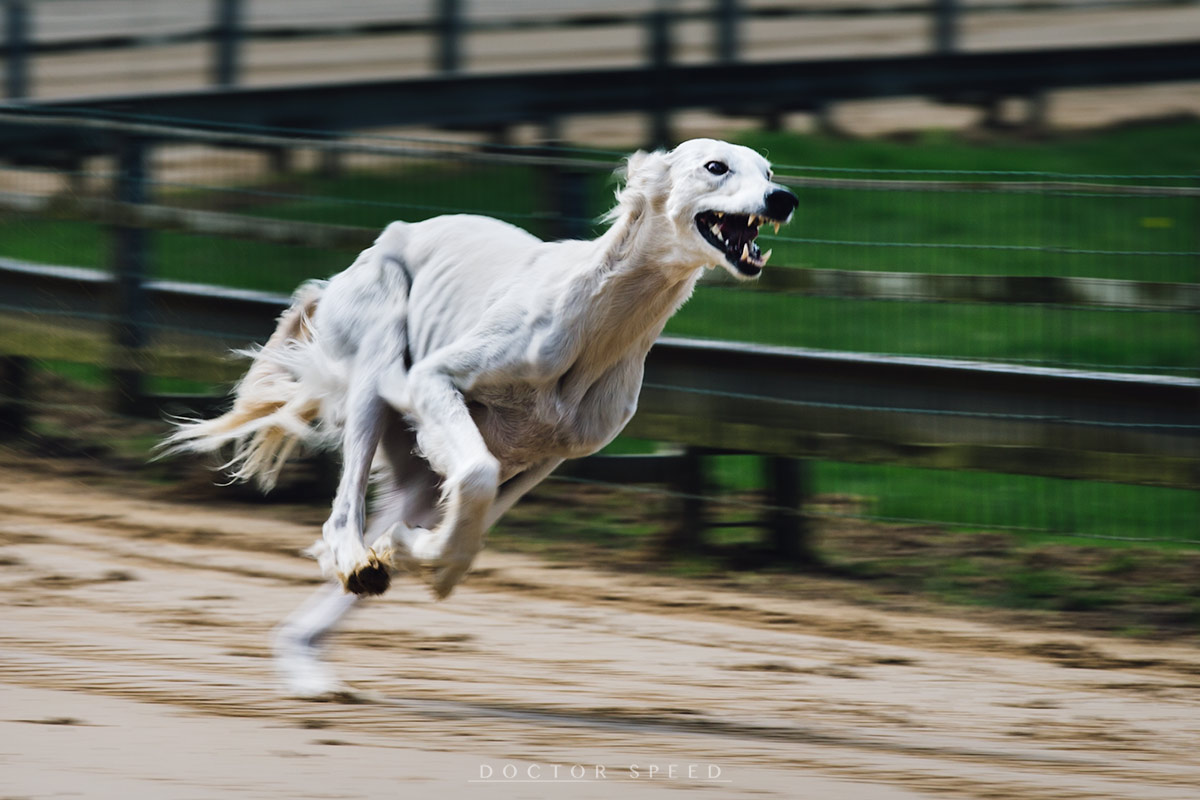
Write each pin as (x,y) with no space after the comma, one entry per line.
(734,235)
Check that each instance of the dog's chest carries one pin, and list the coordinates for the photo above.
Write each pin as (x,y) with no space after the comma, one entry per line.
(523,424)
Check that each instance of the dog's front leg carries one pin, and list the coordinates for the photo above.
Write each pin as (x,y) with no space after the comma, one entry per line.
(358,567)
(451,443)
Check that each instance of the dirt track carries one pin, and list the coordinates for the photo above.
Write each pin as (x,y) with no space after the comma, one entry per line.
(134,663)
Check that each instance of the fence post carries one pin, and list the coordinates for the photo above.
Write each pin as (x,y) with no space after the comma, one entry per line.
(129,269)
(726,19)
(659,25)
(14,389)
(687,480)
(790,539)
(945,26)
(16,23)
(568,187)
(449,28)
(227,36)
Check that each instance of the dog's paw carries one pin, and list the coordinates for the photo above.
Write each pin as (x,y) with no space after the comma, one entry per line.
(397,545)
(324,557)
(422,553)
(302,672)
(418,545)
(443,582)
(448,574)
(370,579)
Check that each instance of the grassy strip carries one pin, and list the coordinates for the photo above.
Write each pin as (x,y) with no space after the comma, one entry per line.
(1039,510)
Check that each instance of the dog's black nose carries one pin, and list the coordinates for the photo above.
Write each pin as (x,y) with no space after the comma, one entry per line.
(781,203)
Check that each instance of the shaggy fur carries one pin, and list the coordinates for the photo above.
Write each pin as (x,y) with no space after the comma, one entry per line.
(461,359)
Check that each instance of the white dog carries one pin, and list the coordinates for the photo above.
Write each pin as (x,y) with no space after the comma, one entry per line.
(462,359)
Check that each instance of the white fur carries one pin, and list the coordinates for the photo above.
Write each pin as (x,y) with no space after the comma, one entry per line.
(466,359)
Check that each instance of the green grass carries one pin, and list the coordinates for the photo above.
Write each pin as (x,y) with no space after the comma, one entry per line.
(1034,234)
(1041,510)
(1040,224)
(412,192)
(1051,510)
(1140,341)
(1159,148)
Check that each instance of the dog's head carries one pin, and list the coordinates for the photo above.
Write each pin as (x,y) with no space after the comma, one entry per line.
(716,195)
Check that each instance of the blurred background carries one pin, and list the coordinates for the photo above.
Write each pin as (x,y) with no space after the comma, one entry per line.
(971,370)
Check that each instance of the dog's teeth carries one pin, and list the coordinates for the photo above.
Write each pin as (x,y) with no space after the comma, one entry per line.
(716,231)
(746,251)
(766,256)
(776,224)
(720,215)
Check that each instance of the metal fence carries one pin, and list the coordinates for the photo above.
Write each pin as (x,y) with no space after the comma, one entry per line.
(220,42)
(1072,297)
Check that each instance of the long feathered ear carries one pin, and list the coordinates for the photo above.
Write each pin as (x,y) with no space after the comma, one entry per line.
(645,182)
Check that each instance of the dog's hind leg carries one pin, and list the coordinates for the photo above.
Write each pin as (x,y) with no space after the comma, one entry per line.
(297,642)
(406,493)
(453,446)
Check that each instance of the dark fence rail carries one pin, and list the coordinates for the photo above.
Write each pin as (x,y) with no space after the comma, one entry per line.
(229,32)
(490,101)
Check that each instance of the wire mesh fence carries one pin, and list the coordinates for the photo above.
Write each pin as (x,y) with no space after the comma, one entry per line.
(1093,272)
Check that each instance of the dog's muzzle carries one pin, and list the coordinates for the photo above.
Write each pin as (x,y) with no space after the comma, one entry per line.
(734,234)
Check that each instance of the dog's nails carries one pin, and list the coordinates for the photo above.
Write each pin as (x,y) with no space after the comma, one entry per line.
(766,256)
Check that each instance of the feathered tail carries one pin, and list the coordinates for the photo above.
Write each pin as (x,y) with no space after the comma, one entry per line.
(275,407)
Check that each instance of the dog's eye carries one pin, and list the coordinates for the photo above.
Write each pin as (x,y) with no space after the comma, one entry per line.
(717,167)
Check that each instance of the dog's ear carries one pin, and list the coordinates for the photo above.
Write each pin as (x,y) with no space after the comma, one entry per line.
(645,182)
(644,168)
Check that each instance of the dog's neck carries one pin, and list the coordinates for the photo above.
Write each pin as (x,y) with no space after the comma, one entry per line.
(633,286)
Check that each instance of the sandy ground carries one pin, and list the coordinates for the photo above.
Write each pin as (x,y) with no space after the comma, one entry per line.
(134,663)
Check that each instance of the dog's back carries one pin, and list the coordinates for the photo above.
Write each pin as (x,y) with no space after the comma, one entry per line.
(293,390)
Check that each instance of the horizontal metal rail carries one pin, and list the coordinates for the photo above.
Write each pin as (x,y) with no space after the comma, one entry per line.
(567,21)
(740,397)
(490,100)
(100,127)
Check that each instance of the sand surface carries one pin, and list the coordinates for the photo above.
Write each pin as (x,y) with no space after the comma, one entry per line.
(134,662)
